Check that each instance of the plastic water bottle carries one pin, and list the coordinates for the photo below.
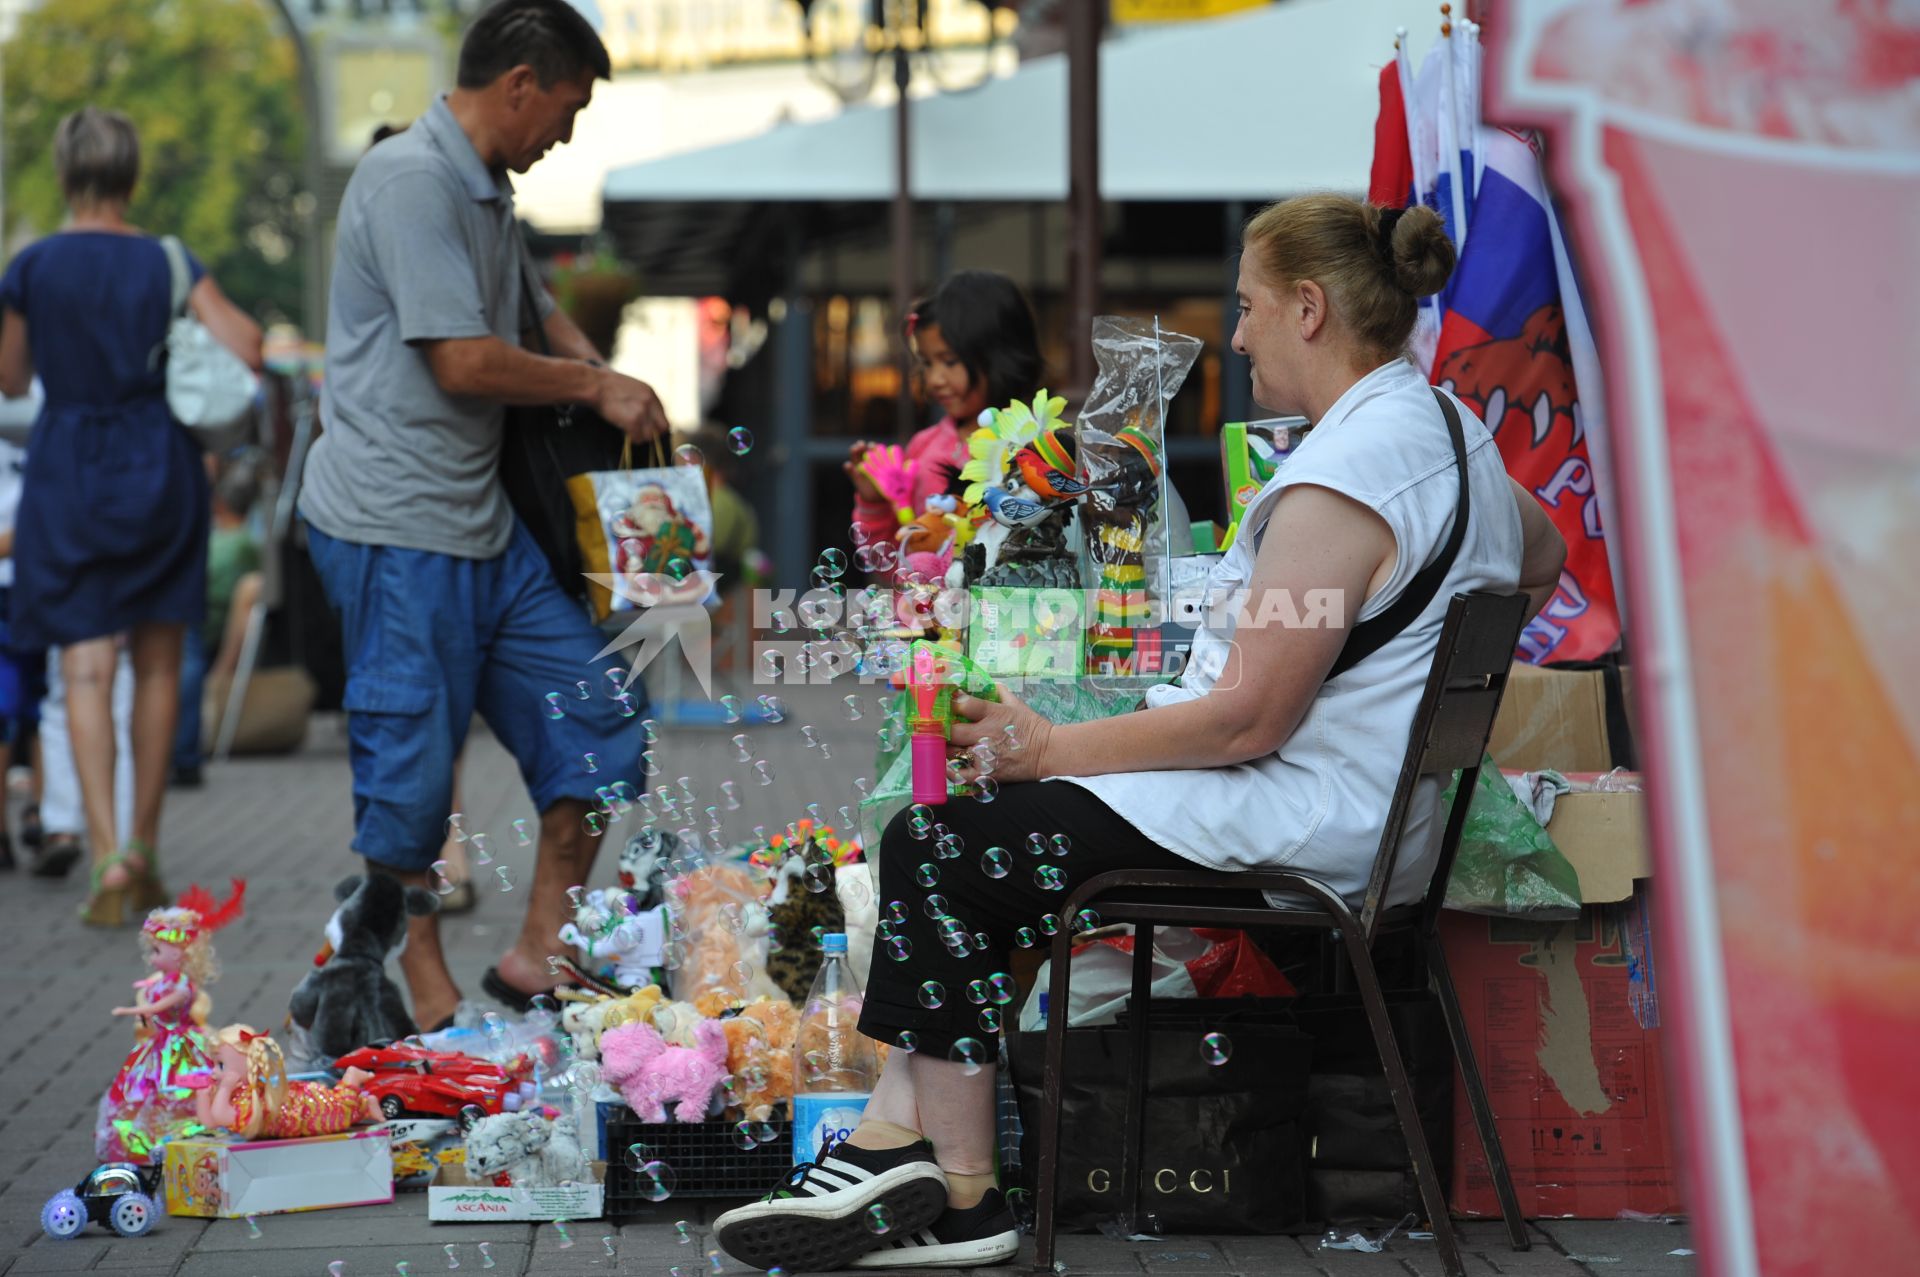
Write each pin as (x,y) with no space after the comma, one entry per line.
(834,1067)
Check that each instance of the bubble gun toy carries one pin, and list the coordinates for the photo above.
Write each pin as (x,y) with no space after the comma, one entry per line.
(930,702)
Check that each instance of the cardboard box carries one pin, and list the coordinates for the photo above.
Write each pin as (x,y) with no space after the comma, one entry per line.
(1552,719)
(221,1179)
(452,1198)
(421,1146)
(1604,836)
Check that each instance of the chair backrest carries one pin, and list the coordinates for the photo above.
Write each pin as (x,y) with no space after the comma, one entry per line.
(1450,730)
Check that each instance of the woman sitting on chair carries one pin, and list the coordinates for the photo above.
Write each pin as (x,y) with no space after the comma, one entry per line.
(1279,748)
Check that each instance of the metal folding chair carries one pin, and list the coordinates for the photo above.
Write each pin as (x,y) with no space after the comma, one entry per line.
(1450,730)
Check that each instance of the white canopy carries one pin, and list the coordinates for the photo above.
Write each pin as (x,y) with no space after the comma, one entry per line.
(1272,103)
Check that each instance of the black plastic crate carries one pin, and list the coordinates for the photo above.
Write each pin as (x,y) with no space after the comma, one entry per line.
(705,1157)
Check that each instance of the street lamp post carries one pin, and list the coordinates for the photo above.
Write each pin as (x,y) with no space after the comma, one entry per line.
(1083,21)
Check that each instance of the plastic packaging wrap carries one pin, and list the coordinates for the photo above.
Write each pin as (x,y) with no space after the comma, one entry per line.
(1121,443)
(1506,863)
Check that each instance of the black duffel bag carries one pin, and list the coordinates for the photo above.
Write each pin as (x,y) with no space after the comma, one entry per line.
(1358,1168)
(1224,1143)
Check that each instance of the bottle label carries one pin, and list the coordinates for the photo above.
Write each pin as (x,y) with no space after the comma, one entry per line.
(817,1117)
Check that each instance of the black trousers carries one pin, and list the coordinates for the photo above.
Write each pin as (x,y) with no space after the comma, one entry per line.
(950,914)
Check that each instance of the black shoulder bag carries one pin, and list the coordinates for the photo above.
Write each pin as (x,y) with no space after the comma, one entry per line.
(544,446)
(1368,637)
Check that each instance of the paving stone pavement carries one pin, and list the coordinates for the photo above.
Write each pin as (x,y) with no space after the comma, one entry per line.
(285,824)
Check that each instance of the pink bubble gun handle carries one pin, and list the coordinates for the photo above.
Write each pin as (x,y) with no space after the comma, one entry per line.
(929,743)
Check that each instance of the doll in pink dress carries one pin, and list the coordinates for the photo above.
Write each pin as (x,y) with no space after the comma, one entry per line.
(150,1099)
(249,1093)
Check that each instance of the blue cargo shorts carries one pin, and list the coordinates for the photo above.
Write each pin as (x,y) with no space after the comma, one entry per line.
(430,638)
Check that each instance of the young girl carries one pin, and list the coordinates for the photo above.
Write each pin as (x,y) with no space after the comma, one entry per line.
(250,1095)
(150,1094)
(974,343)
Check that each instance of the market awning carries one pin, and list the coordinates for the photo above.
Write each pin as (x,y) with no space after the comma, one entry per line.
(1250,108)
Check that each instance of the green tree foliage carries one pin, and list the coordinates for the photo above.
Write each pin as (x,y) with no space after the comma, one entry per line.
(213,87)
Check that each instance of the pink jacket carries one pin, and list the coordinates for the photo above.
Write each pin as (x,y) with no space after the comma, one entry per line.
(941,450)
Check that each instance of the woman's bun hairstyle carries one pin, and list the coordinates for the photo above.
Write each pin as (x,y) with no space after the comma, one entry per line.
(1418,249)
(1373,262)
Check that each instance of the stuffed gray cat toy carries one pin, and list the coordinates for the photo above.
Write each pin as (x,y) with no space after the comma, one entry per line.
(348,1002)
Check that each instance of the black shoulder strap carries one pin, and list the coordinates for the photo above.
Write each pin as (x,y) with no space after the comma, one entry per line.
(1370,636)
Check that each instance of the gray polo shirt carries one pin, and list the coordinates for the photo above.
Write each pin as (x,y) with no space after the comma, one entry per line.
(426,249)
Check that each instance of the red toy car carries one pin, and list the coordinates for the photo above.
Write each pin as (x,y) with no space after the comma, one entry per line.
(411,1081)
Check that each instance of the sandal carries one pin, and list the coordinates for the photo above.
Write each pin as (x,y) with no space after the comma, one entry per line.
(57,856)
(32,833)
(110,906)
(148,891)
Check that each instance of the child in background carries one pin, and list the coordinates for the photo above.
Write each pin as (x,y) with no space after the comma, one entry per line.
(233,565)
(975,346)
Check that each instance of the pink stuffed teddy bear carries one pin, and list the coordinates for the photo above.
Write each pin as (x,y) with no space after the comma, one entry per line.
(651,1074)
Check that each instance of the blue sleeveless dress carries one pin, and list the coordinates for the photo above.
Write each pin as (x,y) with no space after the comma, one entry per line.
(112,526)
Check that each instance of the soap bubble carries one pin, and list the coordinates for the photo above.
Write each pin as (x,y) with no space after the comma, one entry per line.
(933,995)
(740,441)
(1061,844)
(982,941)
(936,906)
(574,895)
(657,1181)
(253,1228)
(764,770)
(920,820)
(590,761)
(1050,924)
(779,621)
(897,912)
(506,876)
(1025,938)
(833,561)
(688,455)
(685,1231)
(927,875)
(818,878)
(852,702)
(1003,988)
(583,690)
(879,1220)
(977,992)
(455,830)
(742,749)
(989,1019)
(899,949)
(453,1255)
(442,881)
(996,863)
(627,705)
(482,851)
(522,834)
(608,1243)
(1036,844)
(486,1254)
(556,705)
(730,792)
(337,1267)
(403,1268)
(908,1041)
(638,1155)
(594,823)
(743,1135)
(649,763)
(969,1055)
(566,1238)
(774,708)
(1049,878)
(649,731)
(1216,1048)
(986,789)
(1085,920)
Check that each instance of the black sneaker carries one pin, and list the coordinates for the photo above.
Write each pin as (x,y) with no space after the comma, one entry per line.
(982,1234)
(835,1209)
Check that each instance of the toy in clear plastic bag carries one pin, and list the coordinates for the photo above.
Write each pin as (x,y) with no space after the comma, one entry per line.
(1506,863)
(1121,444)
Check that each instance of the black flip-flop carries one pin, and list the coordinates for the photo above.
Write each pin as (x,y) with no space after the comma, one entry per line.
(441,1027)
(495,986)
(57,857)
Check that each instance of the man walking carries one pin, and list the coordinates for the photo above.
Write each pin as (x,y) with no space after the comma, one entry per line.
(447,604)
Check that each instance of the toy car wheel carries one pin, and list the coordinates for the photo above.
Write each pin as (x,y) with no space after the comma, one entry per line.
(133,1214)
(391,1108)
(64,1215)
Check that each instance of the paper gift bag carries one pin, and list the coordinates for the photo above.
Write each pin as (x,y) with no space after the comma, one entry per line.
(638,527)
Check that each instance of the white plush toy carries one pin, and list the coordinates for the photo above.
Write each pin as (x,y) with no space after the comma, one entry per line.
(614,940)
(529,1150)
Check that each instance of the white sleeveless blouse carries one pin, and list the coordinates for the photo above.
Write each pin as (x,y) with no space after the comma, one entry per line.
(1318,803)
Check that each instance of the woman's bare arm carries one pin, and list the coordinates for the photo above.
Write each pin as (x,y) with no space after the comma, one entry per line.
(1543,553)
(231,327)
(16,360)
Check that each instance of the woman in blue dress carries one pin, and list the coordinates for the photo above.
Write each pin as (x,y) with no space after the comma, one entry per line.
(110,543)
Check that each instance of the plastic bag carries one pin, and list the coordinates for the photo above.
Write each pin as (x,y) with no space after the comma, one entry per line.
(1507,864)
(1120,439)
